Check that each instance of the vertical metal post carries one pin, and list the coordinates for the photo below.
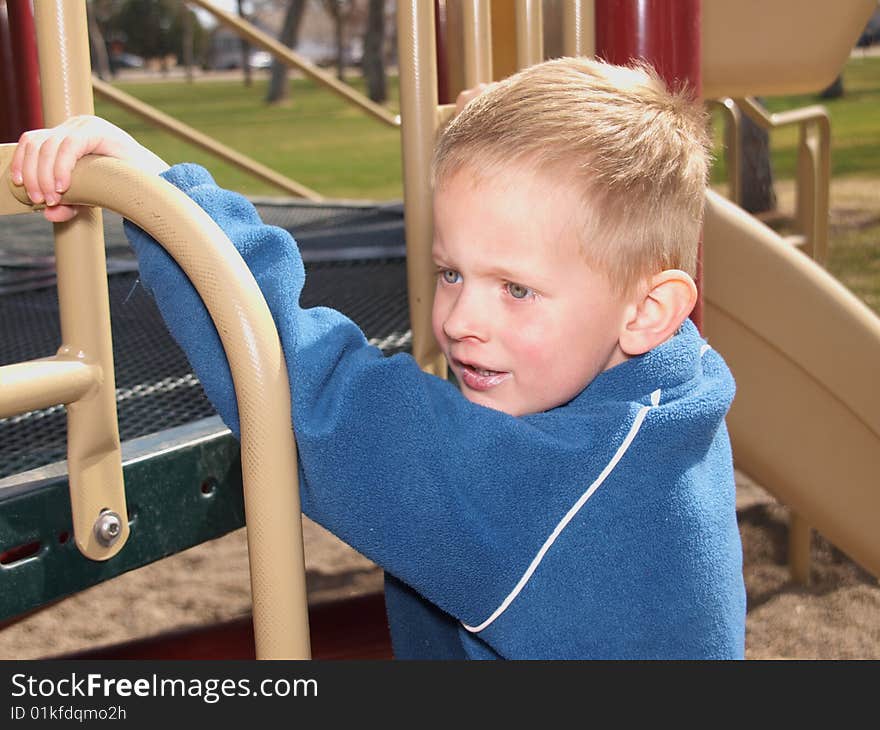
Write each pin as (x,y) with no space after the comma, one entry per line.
(529,33)
(477,17)
(579,28)
(93,451)
(667,34)
(418,109)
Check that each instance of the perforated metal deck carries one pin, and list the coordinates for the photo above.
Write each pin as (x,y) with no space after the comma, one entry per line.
(355,263)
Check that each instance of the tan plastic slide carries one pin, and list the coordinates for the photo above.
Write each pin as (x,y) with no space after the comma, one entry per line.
(805,352)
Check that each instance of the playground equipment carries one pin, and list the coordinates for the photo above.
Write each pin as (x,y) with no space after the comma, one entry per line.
(788,384)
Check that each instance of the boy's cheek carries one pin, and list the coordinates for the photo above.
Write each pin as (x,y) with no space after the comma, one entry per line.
(532,340)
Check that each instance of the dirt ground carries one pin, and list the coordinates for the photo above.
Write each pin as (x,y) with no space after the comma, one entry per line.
(836,616)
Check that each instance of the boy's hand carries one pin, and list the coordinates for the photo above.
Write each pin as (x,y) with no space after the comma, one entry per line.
(45,158)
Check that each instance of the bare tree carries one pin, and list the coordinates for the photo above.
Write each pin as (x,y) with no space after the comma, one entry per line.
(187,20)
(373,62)
(100,59)
(834,90)
(339,10)
(245,49)
(278,88)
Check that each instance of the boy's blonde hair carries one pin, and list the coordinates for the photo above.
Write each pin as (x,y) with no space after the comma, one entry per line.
(639,153)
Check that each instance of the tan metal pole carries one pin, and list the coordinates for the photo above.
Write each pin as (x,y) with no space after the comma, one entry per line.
(94,455)
(418,99)
(477,27)
(529,33)
(579,28)
(259,372)
(730,112)
(29,386)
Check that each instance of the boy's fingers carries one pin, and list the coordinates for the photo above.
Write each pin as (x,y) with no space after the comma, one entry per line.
(17,161)
(66,156)
(46,169)
(32,142)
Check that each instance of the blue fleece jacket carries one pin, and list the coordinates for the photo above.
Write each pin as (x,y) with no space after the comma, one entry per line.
(604,528)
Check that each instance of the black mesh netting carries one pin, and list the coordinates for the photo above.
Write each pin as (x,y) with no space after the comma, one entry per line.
(155,386)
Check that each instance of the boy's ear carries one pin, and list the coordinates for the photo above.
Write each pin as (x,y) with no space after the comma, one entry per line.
(658,311)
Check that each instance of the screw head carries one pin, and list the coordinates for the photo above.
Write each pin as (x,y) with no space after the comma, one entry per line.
(108,528)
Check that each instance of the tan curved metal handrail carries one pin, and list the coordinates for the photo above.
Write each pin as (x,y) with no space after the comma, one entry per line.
(813,169)
(731,116)
(259,372)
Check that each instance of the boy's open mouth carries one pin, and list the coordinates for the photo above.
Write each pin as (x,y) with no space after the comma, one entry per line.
(477,378)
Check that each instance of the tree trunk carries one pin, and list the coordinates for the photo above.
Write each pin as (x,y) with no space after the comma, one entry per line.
(187,21)
(245,50)
(758,195)
(99,49)
(334,8)
(373,63)
(834,90)
(278,88)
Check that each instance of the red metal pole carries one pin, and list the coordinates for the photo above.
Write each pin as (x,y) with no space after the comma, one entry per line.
(440,27)
(27,69)
(9,117)
(666,33)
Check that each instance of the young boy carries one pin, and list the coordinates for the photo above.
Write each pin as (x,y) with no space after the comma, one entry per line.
(578,500)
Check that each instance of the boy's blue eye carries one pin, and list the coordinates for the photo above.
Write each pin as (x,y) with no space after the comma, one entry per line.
(450,276)
(518,291)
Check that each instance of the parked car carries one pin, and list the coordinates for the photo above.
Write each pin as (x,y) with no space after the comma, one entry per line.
(126,60)
(232,59)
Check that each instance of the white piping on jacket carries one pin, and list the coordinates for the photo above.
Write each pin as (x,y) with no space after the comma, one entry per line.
(536,561)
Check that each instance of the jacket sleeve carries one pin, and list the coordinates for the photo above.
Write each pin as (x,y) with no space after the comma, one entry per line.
(394,461)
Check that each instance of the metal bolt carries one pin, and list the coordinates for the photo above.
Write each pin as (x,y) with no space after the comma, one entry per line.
(108,528)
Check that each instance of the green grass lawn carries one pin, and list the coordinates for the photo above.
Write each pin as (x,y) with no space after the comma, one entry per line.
(317,139)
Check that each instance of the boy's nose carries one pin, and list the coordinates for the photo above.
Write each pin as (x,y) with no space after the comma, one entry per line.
(467,317)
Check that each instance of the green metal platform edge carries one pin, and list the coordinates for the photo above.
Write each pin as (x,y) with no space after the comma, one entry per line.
(183,487)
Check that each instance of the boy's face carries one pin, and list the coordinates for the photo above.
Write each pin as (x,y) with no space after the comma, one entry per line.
(525,323)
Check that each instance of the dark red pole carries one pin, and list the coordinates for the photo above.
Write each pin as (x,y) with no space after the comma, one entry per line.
(9,117)
(440,26)
(27,69)
(666,33)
